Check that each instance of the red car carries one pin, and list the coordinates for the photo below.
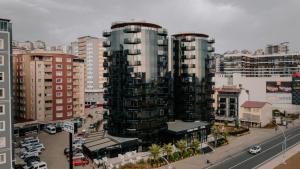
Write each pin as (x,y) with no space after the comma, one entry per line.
(80,162)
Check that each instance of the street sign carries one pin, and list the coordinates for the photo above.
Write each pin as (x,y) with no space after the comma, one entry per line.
(69,127)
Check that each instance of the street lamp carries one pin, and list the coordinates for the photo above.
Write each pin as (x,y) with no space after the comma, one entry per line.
(284,143)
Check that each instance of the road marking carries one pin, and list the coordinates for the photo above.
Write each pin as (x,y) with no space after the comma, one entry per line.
(262,152)
(246,149)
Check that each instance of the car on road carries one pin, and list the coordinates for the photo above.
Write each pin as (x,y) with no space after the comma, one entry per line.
(80,162)
(51,129)
(255,149)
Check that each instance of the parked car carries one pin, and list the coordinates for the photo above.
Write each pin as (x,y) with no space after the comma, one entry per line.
(20,166)
(80,162)
(255,149)
(59,129)
(37,165)
(30,142)
(75,151)
(28,139)
(51,129)
(78,156)
(32,159)
(38,146)
(29,154)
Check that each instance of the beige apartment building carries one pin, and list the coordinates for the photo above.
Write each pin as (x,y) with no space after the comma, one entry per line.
(48,86)
(91,50)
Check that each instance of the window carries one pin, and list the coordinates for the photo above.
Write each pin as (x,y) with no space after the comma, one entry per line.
(2,95)
(2,142)
(2,109)
(69,87)
(69,80)
(1,43)
(69,60)
(59,101)
(1,60)
(69,67)
(69,100)
(59,87)
(59,108)
(58,66)
(69,107)
(69,113)
(58,94)
(58,59)
(2,125)
(59,80)
(2,158)
(1,76)
(69,73)
(58,115)
(59,73)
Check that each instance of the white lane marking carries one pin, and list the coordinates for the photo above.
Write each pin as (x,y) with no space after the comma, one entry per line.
(246,151)
(263,152)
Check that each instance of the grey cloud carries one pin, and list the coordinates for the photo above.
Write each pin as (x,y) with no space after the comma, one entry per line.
(236,24)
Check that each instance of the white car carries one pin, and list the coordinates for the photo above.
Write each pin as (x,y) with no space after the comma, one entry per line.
(37,165)
(255,149)
(29,154)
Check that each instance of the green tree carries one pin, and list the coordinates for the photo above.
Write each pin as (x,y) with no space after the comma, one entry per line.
(181,145)
(195,145)
(168,149)
(215,131)
(154,150)
(225,135)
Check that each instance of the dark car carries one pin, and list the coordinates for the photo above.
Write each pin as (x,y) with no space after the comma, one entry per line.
(19,166)
(31,159)
(59,129)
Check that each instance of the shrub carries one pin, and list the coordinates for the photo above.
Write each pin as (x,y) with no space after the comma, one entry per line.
(176,156)
(186,154)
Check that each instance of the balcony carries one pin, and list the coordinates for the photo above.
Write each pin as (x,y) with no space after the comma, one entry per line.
(107,54)
(134,51)
(75,82)
(189,48)
(105,64)
(105,74)
(132,29)
(48,83)
(106,33)
(210,49)
(48,104)
(162,32)
(212,40)
(162,53)
(135,63)
(132,40)
(188,39)
(189,57)
(162,42)
(106,43)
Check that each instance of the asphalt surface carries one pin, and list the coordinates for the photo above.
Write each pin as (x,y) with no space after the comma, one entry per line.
(270,148)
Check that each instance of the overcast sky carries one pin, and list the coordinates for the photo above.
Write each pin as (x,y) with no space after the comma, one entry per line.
(235,24)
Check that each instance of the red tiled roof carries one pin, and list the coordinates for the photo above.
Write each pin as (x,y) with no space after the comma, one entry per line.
(253,104)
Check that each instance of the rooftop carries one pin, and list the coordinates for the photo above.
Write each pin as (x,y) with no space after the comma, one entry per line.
(181,126)
(5,19)
(254,104)
(144,24)
(228,90)
(191,34)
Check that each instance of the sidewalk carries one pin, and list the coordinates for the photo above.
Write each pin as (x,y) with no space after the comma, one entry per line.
(235,146)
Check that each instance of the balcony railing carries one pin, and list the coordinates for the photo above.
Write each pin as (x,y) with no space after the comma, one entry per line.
(212,40)
(189,48)
(135,63)
(106,33)
(132,40)
(162,42)
(210,49)
(188,39)
(134,51)
(189,57)
(132,29)
(106,43)
(162,31)
(107,54)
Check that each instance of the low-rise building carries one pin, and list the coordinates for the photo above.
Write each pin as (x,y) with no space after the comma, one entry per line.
(255,114)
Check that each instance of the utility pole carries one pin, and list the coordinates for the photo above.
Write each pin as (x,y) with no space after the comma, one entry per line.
(71,150)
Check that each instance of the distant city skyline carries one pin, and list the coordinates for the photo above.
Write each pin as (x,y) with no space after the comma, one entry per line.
(235,24)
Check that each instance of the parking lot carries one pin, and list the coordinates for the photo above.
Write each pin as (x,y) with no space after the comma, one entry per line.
(56,143)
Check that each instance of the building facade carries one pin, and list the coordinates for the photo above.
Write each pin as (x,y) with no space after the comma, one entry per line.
(296,89)
(192,55)
(6,111)
(137,88)
(47,86)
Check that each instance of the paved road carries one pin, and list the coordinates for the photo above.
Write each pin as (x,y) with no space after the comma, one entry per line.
(270,148)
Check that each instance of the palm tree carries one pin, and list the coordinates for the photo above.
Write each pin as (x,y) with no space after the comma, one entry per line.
(215,132)
(168,149)
(154,150)
(181,145)
(195,145)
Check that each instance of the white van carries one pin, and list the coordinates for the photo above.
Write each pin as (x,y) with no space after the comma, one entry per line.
(51,129)
(37,165)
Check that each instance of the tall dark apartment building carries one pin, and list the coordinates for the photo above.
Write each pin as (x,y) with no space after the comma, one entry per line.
(6,113)
(138,86)
(192,56)
(296,88)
